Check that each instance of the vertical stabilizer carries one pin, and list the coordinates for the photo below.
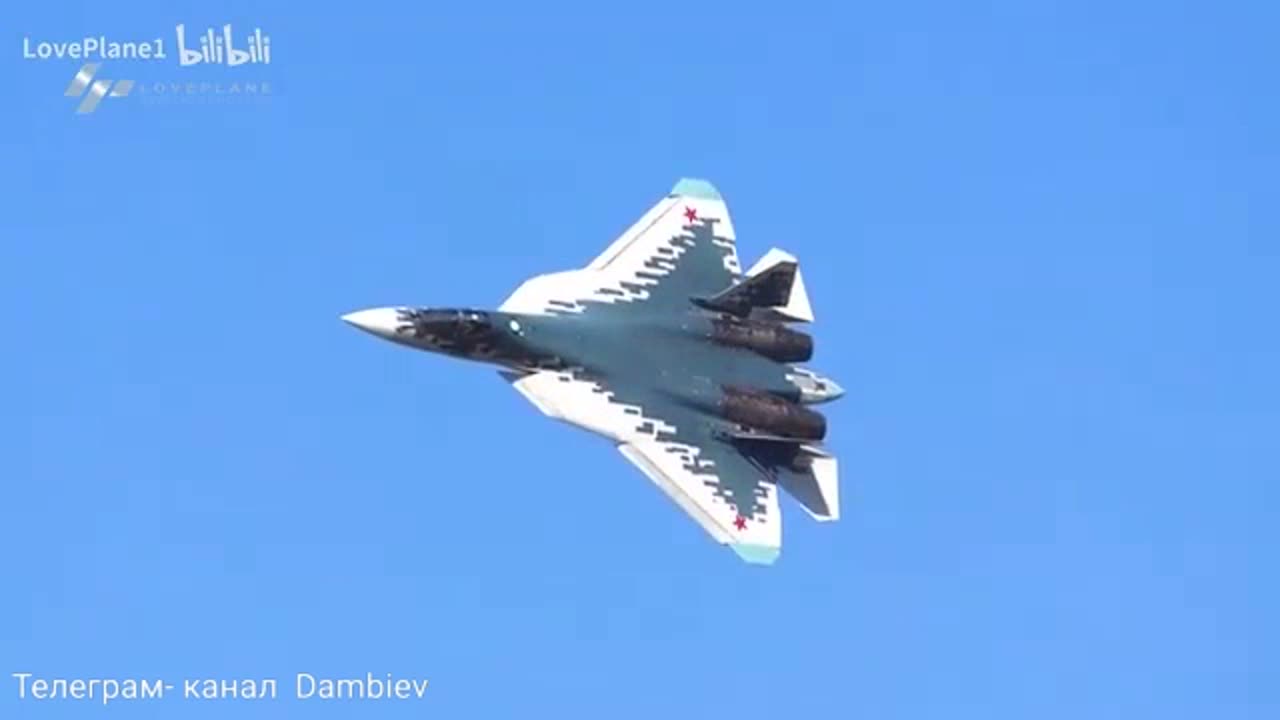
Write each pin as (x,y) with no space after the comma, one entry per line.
(797,307)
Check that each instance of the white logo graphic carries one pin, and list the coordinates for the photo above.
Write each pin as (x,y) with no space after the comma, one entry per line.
(219,49)
(97,91)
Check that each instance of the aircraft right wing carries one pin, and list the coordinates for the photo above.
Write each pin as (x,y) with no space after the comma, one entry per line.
(730,494)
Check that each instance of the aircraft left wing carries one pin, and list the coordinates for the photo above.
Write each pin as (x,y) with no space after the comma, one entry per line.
(728,493)
(681,248)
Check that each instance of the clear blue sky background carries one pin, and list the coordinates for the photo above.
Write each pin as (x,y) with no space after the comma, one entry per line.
(1041,239)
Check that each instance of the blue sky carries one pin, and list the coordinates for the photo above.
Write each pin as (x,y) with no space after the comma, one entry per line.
(1040,238)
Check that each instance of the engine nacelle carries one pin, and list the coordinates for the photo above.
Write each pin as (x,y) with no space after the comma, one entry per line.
(772,340)
(772,415)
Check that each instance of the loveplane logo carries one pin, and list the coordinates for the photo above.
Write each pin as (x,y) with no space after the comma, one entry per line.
(97,89)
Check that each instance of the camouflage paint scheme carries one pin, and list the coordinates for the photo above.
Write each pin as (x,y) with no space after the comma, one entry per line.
(646,347)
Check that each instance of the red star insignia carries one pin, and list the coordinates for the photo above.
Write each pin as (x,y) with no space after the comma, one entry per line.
(690,214)
(740,523)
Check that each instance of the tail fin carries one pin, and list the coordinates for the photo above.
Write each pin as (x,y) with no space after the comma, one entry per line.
(796,307)
(773,289)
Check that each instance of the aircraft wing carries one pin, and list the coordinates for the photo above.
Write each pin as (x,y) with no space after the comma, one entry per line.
(732,496)
(683,247)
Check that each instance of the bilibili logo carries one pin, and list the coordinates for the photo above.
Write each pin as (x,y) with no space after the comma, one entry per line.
(97,89)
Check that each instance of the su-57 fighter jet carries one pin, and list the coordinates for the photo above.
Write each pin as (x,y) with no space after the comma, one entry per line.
(662,346)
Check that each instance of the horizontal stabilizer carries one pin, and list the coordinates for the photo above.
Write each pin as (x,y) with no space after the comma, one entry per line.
(813,480)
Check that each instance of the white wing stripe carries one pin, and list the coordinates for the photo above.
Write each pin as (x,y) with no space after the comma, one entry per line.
(686,503)
(695,482)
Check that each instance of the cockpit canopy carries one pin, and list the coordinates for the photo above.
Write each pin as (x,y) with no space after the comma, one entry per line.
(445,323)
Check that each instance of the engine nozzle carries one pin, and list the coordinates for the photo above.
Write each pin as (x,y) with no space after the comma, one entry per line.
(772,414)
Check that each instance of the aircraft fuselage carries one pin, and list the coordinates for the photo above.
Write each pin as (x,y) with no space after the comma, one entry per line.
(686,359)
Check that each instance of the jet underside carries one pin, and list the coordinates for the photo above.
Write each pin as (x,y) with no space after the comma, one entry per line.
(662,346)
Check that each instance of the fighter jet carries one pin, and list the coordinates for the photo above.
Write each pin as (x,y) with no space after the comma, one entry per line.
(664,347)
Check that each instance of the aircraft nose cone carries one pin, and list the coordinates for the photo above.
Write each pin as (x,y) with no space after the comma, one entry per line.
(834,391)
(377,321)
